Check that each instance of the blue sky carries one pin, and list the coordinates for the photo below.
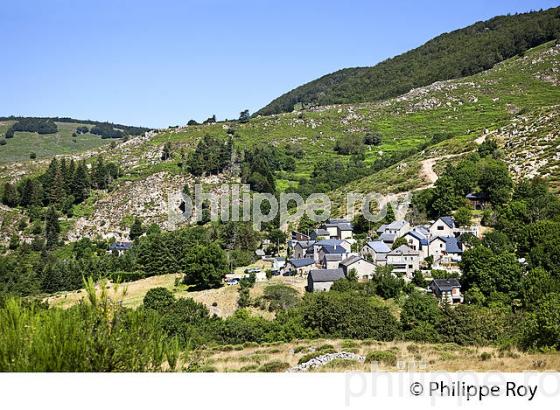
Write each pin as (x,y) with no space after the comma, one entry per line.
(160,63)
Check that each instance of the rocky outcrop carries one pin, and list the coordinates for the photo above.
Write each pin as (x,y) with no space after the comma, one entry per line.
(324,359)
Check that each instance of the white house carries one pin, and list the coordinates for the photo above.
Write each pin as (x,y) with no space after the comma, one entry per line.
(301,266)
(329,246)
(364,269)
(388,233)
(320,280)
(446,249)
(418,241)
(331,261)
(377,250)
(404,260)
(443,226)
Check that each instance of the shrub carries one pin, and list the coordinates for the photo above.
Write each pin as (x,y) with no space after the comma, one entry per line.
(485,356)
(280,297)
(385,357)
(160,299)
(274,367)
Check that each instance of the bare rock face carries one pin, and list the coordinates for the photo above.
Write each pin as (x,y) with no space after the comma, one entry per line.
(148,199)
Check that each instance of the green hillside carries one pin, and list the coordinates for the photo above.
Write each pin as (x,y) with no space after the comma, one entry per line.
(451,55)
(66,140)
(410,125)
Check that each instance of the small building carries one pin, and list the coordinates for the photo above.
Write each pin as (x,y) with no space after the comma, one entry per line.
(443,226)
(298,236)
(377,251)
(260,253)
(446,249)
(448,290)
(477,200)
(301,266)
(303,249)
(364,269)
(331,261)
(389,232)
(278,263)
(404,260)
(418,241)
(120,247)
(319,234)
(321,280)
(332,245)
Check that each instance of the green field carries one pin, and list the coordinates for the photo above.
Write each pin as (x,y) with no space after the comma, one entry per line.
(47,145)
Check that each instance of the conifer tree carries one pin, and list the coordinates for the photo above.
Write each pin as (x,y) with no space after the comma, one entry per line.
(10,195)
(52,228)
(81,183)
(136,230)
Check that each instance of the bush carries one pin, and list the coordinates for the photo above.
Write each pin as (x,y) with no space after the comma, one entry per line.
(274,367)
(385,357)
(159,299)
(280,297)
(485,356)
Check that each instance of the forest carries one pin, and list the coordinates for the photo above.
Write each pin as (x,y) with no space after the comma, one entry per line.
(451,55)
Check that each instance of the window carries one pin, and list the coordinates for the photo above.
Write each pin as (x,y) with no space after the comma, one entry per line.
(440,228)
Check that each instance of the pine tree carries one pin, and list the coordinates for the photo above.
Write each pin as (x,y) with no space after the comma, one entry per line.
(136,230)
(81,183)
(10,195)
(52,228)
(31,193)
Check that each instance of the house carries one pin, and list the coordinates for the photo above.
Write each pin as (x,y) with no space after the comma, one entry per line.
(388,233)
(300,267)
(377,250)
(443,226)
(448,290)
(302,249)
(477,200)
(278,263)
(330,250)
(298,236)
(320,280)
(418,240)
(446,249)
(363,268)
(320,233)
(260,253)
(331,261)
(120,247)
(336,229)
(404,260)
(332,245)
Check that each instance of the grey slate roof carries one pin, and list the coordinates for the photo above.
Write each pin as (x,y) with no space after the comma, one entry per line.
(452,244)
(333,249)
(396,225)
(387,237)
(326,275)
(320,232)
(403,250)
(379,246)
(449,221)
(445,285)
(300,263)
(345,226)
(423,239)
(304,244)
(350,260)
(120,246)
(333,257)
(329,242)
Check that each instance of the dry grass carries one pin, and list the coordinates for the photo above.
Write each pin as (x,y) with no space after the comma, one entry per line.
(410,356)
(221,301)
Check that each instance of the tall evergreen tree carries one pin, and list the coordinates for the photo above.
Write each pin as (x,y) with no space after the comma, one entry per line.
(136,230)
(81,183)
(10,195)
(52,228)
(31,193)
